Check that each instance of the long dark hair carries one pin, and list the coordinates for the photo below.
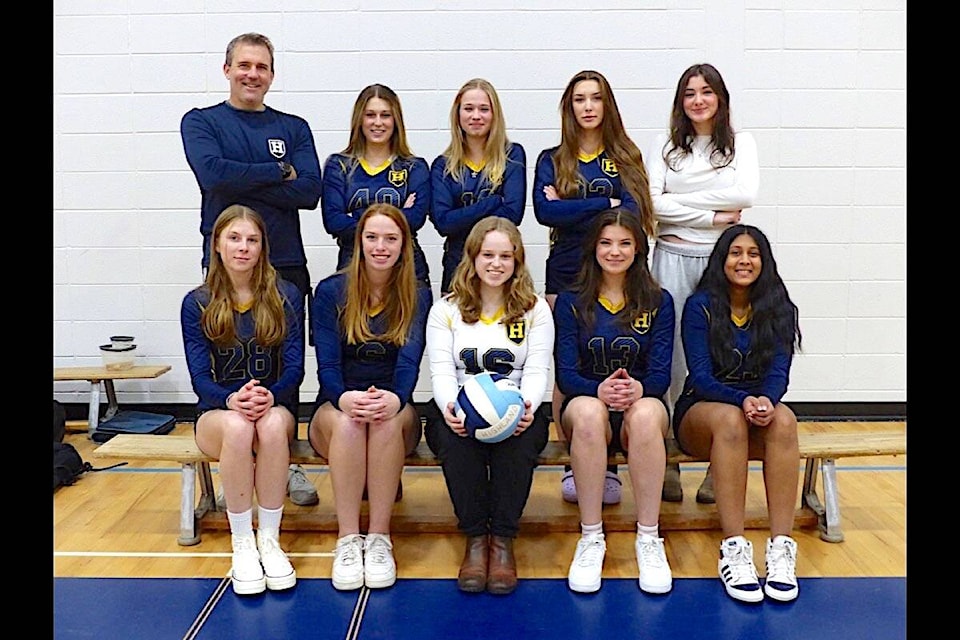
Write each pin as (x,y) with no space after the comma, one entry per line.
(775,320)
(682,133)
(641,292)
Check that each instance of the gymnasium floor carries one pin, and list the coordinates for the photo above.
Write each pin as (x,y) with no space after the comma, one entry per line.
(119,573)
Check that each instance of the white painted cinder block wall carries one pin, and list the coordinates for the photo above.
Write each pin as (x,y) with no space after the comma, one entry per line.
(820,83)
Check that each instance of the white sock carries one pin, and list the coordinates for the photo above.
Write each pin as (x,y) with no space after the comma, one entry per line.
(652,531)
(241,524)
(590,530)
(269,519)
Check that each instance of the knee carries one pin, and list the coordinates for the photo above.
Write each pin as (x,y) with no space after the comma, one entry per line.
(732,430)
(646,418)
(237,431)
(782,430)
(274,428)
(589,429)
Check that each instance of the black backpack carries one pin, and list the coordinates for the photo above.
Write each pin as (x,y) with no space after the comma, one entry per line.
(67,463)
(59,421)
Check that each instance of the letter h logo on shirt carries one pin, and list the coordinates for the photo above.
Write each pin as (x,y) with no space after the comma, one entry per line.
(278,148)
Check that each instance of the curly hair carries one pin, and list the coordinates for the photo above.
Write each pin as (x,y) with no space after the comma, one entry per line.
(519,294)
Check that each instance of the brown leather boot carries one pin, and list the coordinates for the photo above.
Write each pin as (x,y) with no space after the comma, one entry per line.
(502,572)
(473,569)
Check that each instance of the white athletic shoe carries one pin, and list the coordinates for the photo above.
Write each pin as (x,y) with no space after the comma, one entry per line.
(655,574)
(781,582)
(737,571)
(379,567)
(587,566)
(276,567)
(246,573)
(347,571)
(299,488)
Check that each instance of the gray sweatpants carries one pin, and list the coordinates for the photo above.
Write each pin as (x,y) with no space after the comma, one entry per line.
(678,267)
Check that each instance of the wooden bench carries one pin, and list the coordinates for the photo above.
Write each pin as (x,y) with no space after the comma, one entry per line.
(819,449)
(95,375)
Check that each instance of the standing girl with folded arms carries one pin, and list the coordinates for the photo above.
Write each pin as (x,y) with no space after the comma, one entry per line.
(702,174)
(377,166)
(480,174)
(595,167)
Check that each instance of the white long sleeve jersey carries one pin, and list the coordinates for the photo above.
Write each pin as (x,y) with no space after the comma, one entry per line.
(521,351)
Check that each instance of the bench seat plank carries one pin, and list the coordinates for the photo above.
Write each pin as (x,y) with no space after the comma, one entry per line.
(819,448)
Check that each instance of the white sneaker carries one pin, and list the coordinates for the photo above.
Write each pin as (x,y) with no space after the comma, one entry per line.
(587,565)
(246,573)
(655,574)
(736,570)
(379,567)
(276,567)
(347,571)
(299,488)
(781,582)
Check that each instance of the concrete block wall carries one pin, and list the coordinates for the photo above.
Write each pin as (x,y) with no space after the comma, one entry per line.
(821,85)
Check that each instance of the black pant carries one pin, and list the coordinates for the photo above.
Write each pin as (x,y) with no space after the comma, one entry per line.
(488,483)
(300,277)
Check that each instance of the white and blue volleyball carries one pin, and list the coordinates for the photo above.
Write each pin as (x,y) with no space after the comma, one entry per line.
(490,405)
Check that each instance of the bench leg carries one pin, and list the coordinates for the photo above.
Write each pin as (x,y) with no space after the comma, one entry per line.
(208,501)
(830,531)
(829,513)
(93,408)
(112,405)
(192,510)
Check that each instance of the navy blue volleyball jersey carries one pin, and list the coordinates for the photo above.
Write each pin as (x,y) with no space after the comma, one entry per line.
(349,188)
(460,204)
(569,218)
(216,372)
(706,381)
(353,367)
(585,357)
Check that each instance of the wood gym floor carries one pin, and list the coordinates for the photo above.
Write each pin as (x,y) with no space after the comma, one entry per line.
(119,572)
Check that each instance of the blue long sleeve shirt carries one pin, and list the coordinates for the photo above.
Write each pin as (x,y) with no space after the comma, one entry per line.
(354,367)
(234,156)
(585,357)
(705,381)
(217,371)
(459,204)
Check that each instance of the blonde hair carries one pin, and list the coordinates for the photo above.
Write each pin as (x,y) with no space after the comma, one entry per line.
(400,305)
(616,142)
(495,149)
(519,294)
(269,316)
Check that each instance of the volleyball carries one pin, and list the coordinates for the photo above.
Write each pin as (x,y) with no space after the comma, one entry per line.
(491,406)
